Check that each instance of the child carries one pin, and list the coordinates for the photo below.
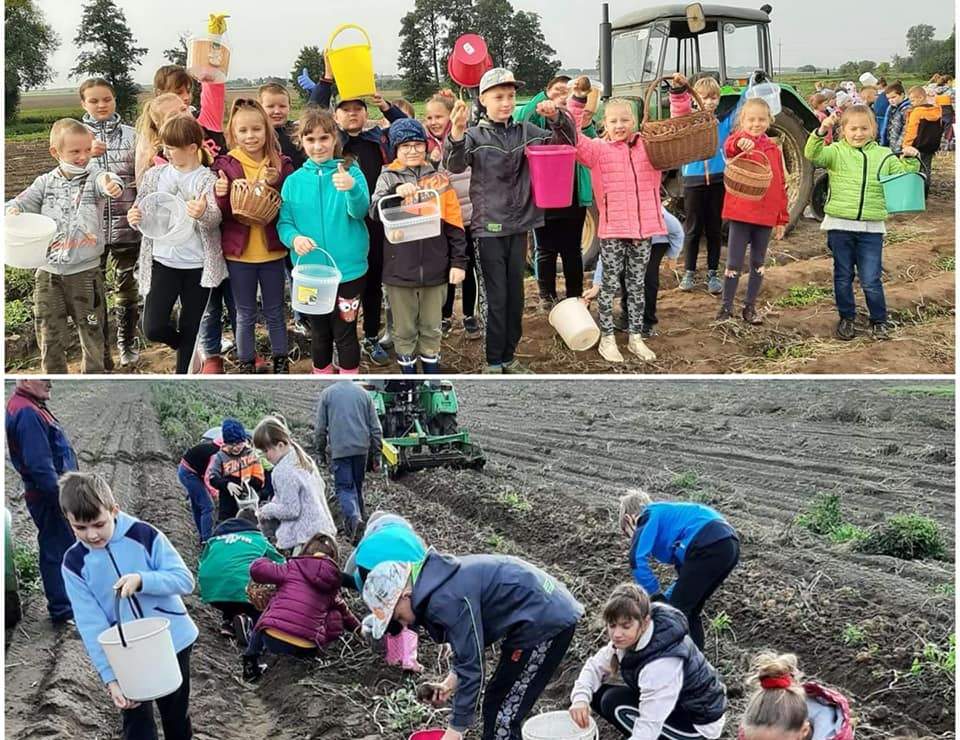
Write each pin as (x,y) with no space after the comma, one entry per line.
(117,554)
(406,107)
(71,283)
(437,123)
(703,189)
(855,212)
(255,254)
(114,148)
(818,102)
(155,112)
(192,474)
(881,104)
(895,121)
(275,100)
(298,500)
(473,602)
(235,467)
(868,96)
(416,274)
(325,205)
(183,272)
(223,571)
(924,131)
(783,707)
(307,613)
(752,221)
(670,690)
(628,187)
(173,78)
(503,207)
(693,538)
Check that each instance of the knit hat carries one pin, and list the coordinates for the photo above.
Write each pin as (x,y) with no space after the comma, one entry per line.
(404,130)
(382,591)
(233,432)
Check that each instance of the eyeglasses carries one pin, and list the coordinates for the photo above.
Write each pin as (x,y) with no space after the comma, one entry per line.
(413,146)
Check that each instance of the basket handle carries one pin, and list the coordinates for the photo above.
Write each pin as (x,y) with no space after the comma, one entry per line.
(752,151)
(650,89)
(343,27)
(333,262)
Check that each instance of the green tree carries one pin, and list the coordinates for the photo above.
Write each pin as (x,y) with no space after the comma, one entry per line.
(494,19)
(940,57)
(919,36)
(414,59)
(432,19)
(807,68)
(114,54)
(30,42)
(883,69)
(530,55)
(311,58)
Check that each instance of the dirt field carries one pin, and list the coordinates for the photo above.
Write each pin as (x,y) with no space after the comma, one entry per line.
(558,455)
(797,336)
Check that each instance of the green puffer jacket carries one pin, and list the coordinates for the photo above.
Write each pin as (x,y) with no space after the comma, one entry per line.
(855,190)
(224,567)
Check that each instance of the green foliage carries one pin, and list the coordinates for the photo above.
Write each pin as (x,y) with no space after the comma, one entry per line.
(823,516)
(28,568)
(946,262)
(905,536)
(853,635)
(943,391)
(413,61)
(778,350)
(403,711)
(18,314)
(720,623)
(30,44)
(532,57)
(847,532)
(495,542)
(803,295)
(686,480)
(856,68)
(515,501)
(946,589)
(934,658)
(18,283)
(311,58)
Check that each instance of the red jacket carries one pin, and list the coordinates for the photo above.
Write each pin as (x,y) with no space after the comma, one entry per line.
(307,604)
(771,210)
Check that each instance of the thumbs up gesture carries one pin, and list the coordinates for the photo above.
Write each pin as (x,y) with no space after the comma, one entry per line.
(343,180)
(271,175)
(196,207)
(223,185)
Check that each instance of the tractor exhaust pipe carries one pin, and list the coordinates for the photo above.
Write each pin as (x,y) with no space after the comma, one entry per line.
(606,70)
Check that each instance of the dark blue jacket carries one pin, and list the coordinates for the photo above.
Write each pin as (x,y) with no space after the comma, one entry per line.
(476,600)
(666,531)
(880,106)
(39,448)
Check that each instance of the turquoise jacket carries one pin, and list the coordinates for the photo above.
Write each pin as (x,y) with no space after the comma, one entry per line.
(333,219)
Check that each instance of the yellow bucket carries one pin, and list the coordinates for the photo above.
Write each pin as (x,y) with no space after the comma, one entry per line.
(352,66)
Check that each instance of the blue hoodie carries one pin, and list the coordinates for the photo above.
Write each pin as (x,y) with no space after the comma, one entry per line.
(474,601)
(333,219)
(135,547)
(665,532)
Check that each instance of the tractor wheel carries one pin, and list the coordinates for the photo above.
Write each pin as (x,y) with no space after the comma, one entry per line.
(799,170)
(821,189)
(443,424)
(589,241)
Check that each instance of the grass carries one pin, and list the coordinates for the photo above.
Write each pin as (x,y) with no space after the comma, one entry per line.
(905,536)
(28,568)
(946,262)
(722,622)
(495,542)
(853,635)
(777,350)
(515,501)
(939,391)
(803,295)
(936,659)
(687,480)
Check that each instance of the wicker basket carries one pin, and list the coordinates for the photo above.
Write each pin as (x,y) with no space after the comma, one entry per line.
(260,594)
(254,203)
(678,141)
(748,178)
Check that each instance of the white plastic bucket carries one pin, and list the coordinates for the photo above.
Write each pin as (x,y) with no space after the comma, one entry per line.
(407,223)
(557,726)
(27,237)
(142,657)
(165,218)
(573,322)
(315,287)
(769,92)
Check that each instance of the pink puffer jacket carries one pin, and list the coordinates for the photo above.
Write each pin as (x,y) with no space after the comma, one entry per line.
(625,185)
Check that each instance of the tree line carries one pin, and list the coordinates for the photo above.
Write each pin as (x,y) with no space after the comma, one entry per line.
(926,56)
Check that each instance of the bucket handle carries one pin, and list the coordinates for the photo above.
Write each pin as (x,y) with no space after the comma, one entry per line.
(526,138)
(891,177)
(343,27)
(652,86)
(135,608)
(333,262)
(436,196)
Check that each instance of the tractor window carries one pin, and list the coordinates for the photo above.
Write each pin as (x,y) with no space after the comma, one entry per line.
(709,52)
(741,49)
(636,54)
(672,61)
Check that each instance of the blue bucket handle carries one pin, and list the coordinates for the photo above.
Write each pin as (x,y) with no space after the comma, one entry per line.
(333,262)
(888,178)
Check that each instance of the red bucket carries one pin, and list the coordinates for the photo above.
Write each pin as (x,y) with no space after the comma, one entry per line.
(427,735)
(468,60)
(551,174)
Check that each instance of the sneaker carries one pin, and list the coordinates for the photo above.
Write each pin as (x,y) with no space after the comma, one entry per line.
(514,367)
(226,629)
(492,370)
(386,341)
(299,327)
(226,345)
(446,326)
(471,328)
(641,350)
(648,330)
(377,354)
(751,316)
(724,314)
(260,365)
(252,669)
(714,283)
(846,329)
(608,349)
(242,626)
(880,329)
(689,280)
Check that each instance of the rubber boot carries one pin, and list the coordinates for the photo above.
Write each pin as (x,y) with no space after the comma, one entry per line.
(408,364)
(430,364)
(212,366)
(126,335)
(640,349)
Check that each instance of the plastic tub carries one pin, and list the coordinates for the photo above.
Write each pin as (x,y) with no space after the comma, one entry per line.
(557,726)
(314,289)
(769,92)
(27,237)
(165,218)
(573,322)
(551,174)
(352,65)
(410,222)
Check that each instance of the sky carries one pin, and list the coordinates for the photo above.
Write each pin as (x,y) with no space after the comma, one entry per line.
(821,32)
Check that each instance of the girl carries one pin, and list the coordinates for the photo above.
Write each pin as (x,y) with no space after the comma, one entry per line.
(298,500)
(752,221)
(324,205)
(255,254)
(693,538)
(855,212)
(307,613)
(627,189)
(172,78)
(185,271)
(670,690)
(149,151)
(783,707)
(437,122)
(416,274)
(818,102)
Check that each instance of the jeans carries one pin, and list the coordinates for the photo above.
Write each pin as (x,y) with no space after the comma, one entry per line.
(741,235)
(54,538)
(862,253)
(261,642)
(348,473)
(167,285)
(270,277)
(211,326)
(201,502)
(139,724)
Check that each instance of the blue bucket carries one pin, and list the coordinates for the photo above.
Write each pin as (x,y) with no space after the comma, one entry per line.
(904,193)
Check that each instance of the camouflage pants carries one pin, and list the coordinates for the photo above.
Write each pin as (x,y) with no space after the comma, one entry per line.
(79,296)
(629,257)
(125,258)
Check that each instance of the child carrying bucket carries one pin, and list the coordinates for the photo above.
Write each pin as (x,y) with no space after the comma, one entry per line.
(154,578)
(322,217)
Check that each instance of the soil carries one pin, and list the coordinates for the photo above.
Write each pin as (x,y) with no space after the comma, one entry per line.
(558,454)
(919,284)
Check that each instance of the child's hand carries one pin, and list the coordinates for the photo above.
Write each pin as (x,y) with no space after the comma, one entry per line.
(119,700)
(779,231)
(13,211)
(745,144)
(128,585)
(343,180)
(458,120)
(304,78)
(590,293)
(327,67)
(98,148)
(581,86)
(678,80)
(303,245)
(451,734)
(827,124)
(111,186)
(196,207)
(271,175)
(548,109)
(406,190)
(234,489)
(457,275)
(223,185)
(379,101)
(134,216)
(910,151)
(436,156)
(580,714)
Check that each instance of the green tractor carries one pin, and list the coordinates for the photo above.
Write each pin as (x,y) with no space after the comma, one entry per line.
(419,422)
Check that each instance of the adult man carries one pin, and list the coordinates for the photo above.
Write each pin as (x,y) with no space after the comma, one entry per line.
(41,453)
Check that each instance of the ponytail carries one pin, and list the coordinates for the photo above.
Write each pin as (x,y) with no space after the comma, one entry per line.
(271,431)
(780,702)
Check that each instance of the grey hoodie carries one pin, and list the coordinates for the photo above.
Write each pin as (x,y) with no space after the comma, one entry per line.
(119,158)
(346,413)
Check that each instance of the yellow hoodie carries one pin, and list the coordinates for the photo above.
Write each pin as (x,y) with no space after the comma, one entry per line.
(256,251)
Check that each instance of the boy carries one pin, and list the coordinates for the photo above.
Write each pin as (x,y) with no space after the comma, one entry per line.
(152,578)
(115,148)
(275,100)
(503,206)
(473,602)
(192,474)
(923,131)
(234,467)
(71,283)
(895,119)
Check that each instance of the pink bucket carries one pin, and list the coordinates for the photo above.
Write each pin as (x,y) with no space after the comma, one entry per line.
(427,735)
(551,174)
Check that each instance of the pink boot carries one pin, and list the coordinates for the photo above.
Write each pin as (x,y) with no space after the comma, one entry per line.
(344,371)
(402,650)
(328,370)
